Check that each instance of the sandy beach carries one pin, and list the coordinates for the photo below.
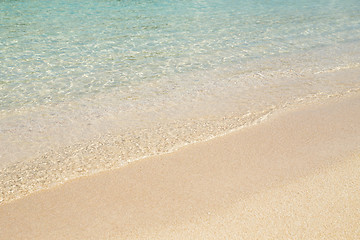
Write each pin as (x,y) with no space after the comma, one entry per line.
(293,176)
(179,119)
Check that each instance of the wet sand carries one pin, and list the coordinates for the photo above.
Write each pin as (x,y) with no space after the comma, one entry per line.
(294,176)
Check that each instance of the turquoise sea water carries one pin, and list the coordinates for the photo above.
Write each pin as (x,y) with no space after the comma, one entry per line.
(91,85)
(52,51)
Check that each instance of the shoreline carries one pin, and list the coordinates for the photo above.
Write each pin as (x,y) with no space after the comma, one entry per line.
(213,185)
(51,148)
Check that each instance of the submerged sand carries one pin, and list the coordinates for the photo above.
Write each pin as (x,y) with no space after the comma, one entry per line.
(294,176)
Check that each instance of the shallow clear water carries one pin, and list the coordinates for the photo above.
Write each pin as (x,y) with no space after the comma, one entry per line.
(55,50)
(90,85)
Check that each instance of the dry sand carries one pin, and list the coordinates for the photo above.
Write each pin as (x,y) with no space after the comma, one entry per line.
(294,176)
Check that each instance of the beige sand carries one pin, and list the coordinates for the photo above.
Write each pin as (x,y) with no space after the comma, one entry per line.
(295,176)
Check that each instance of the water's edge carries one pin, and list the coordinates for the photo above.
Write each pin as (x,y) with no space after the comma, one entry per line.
(58,166)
